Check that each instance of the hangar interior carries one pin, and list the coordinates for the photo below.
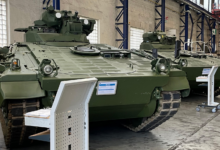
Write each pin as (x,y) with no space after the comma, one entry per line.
(123,26)
(141,18)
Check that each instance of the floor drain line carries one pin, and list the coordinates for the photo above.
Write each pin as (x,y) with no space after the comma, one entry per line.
(204,124)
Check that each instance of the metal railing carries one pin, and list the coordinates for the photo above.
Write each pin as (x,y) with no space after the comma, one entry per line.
(196,42)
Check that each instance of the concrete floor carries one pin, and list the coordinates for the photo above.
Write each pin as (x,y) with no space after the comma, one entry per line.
(187,130)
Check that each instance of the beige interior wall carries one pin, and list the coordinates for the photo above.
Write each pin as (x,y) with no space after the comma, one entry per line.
(173,13)
(141,15)
(102,10)
(22,14)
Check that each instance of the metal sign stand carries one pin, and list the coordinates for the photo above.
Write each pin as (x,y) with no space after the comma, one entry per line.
(210,79)
(69,116)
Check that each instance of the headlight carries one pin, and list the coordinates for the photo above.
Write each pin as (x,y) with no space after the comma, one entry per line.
(48,69)
(183,63)
(86,21)
(162,67)
(58,15)
(45,68)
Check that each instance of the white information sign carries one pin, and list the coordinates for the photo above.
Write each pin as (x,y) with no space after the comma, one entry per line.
(206,71)
(106,88)
(213,31)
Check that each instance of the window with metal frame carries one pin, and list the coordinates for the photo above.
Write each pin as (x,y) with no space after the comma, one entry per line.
(136,38)
(207,4)
(202,2)
(3,25)
(94,36)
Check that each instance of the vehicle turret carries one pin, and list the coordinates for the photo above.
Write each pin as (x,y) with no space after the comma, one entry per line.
(153,39)
(65,26)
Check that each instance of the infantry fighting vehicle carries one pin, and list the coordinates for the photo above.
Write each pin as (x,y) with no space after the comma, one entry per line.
(196,60)
(56,48)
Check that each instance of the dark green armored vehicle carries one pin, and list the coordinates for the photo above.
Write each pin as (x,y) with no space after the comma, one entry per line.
(196,60)
(56,49)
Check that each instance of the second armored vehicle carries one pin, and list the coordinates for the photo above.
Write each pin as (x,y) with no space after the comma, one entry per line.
(196,61)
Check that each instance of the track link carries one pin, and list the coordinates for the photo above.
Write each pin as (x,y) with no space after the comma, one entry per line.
(16,132)
(168,107)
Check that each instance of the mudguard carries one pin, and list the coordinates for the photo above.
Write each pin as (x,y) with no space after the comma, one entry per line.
(177,82)
(20,90)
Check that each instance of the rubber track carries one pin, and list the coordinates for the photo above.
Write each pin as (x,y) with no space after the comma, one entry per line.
(168,107)
(16,132)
